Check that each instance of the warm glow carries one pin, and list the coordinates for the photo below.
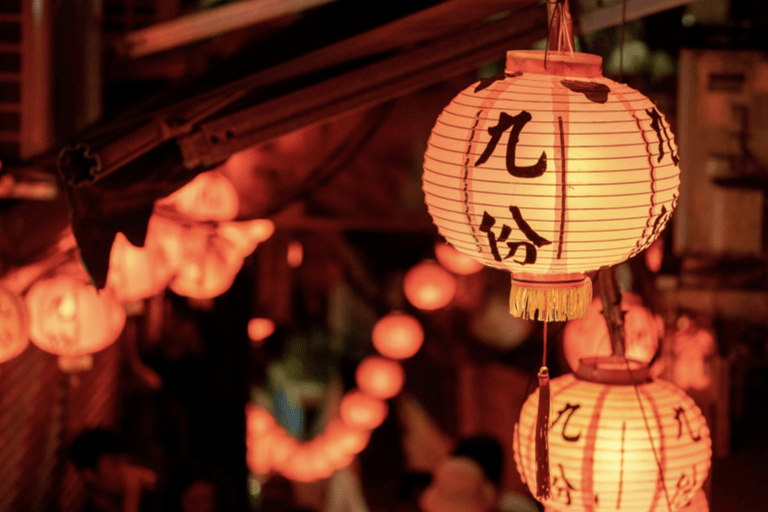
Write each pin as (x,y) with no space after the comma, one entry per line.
(429,286)
(397,336)
(208,197)
(380,377)
(550,173)
(69,317)
(260,329)
(600,443)
(14,325)
(246,235)
(295,255)
(588,336)
(362,411)
(138,273)
(455,261)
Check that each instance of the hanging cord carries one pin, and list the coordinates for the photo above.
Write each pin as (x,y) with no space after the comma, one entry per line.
(542,426)
(621,39)
(559,11)
(650,436)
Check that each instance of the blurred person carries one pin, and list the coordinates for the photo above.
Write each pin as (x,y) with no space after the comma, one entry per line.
(489,454)
(112,482)
(459,485)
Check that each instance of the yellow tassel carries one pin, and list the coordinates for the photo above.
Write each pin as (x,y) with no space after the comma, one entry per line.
(550,301)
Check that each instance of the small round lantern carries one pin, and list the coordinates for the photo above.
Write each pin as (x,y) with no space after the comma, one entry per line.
(588,336)
(14,325)
(379,377)
(397,335)
(345,439)
(359,410)
(136,273)
(428,286)
(607,451)
(260,329)
(69,317)
(211,196)
(550,171)
(455,261)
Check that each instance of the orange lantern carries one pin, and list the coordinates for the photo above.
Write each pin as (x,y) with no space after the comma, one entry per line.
(455,261)
(397,335)
(69,317)
(549,172)
(209,264)
(246,235)
(344,439)
(588,336)
(210,196)
(429,286)
(359,410)
(379,377)
(260,329)
(616,446)
(137,273)
(14,325)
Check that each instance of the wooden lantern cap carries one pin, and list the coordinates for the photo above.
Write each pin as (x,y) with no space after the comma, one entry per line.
(613,370)
(583,65)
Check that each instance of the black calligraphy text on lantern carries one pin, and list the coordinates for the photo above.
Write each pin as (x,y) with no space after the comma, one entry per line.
(682,418)
(517,123)
(684,489)
(661,132)
(561,487)
(534,240)
(568,410)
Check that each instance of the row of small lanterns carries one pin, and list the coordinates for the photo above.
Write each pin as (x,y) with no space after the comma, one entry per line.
(270,447)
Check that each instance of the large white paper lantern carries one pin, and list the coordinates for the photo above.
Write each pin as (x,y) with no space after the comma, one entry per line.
(616,447)
(550,171)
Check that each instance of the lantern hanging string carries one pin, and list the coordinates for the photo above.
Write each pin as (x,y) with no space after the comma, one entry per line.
(542,426)
(650,435)
(621,39)
(557,11)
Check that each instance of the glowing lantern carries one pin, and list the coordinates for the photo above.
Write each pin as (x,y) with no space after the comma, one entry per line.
(608,451)
(429,286)
(69,317)
(359,410)
(588,336)
(379,377)
(210,196)
(209,264)
(14,325)
(137,273)
(397,336)
(295,255)
(455,261)
(246,235)
(550,172)
(260,329)
(344,439)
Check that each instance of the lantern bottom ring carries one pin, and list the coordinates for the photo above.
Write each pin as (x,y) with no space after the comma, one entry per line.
(613,370)
(550,300)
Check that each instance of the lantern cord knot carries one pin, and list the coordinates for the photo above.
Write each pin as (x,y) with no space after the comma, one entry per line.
(542,441)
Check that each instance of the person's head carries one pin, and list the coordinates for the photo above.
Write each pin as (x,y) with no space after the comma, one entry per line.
(98,455)
(200,495)
(458,485)
(487,451)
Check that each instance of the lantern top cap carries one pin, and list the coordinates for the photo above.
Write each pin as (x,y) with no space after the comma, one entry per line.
(613,370)
(583,65)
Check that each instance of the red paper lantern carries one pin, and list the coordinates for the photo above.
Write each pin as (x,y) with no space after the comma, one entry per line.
(397,336)
(455,261)
(379,377)
(550,172)
(588,336)
(606,451)
(429,286)
(359,410)
(69,317)
(14,325)
(260,329)
(208,197)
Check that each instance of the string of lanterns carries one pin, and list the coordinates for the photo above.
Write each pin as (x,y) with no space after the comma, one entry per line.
(269,447)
